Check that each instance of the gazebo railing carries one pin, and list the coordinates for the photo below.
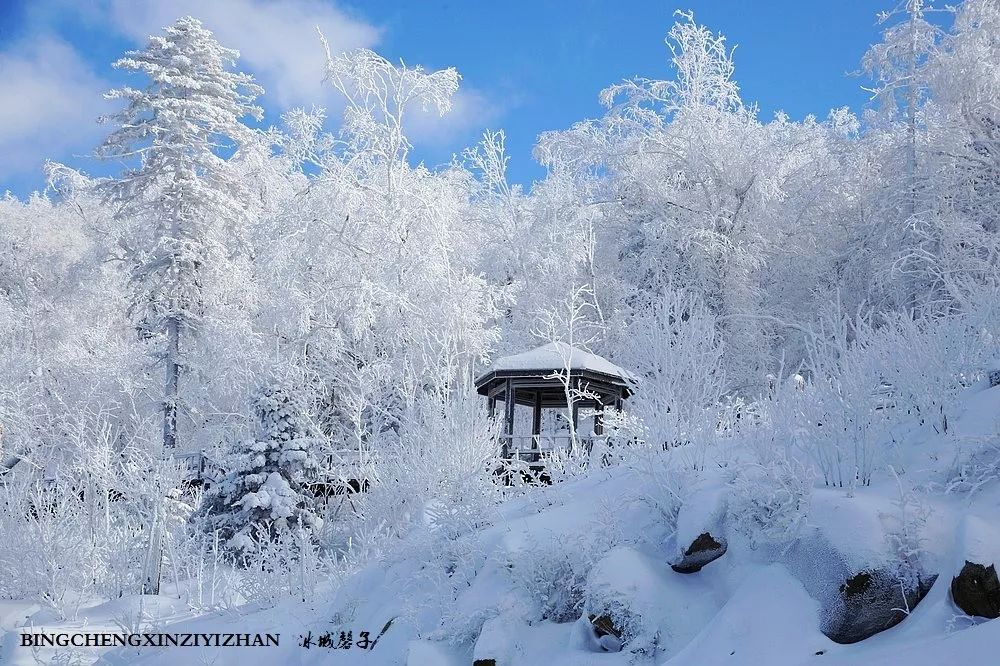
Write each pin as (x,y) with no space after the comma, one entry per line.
(193,463)
(532,448)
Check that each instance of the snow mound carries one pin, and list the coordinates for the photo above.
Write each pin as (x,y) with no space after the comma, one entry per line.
(978,541)
(770,619)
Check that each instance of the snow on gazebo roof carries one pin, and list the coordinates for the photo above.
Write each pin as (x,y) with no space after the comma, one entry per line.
(556,356)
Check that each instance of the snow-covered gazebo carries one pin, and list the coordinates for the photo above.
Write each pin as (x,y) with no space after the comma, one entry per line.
(539,379)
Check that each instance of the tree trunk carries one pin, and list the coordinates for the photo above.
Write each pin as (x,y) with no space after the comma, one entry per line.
(170,397)
(154,557)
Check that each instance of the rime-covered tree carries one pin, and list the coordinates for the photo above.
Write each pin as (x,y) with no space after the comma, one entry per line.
(693,191)
(963,121)
(897,65)
(176,132)
(265,490)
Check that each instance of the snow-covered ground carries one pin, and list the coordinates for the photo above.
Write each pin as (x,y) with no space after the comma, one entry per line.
(520,591)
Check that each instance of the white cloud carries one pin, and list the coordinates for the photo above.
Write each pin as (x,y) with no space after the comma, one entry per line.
(471,110)
(51,101)
(277,41)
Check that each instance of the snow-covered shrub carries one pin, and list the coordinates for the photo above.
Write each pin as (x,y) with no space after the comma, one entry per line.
(976,466)
(281,564)
(440,471)
(664,479)
(841,424)
(565,464)
(769,501)
(46,542)
(905,535)
(204,561)
(266,490)
(928,361)
(866,376)
(92,523)
(674,349)
(446,586)
(434,486)
(554,572)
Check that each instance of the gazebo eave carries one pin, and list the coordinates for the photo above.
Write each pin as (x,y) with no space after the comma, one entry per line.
(488,382)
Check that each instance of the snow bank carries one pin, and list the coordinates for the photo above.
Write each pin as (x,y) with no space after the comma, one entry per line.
(978,541)
(770,619)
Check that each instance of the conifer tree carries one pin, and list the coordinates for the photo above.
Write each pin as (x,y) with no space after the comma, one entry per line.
(266,491)
(182,191)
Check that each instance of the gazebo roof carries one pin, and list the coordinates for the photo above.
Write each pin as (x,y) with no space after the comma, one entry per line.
(554,357)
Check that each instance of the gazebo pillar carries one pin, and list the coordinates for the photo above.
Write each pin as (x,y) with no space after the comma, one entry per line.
(536,416)
(536,425)
(599,416)
(576,403)
(508,416)
(575,414)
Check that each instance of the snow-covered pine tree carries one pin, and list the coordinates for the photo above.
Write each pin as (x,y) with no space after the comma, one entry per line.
(179,126)
(266,490)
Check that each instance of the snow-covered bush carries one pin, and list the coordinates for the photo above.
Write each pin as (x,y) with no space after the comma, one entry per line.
(673,347)
(905,535)
(867,376)
(277,565)
(207,566)
(434,486)
(554,572)
(842,409)
(769,501)
(87,518)
(46,542)
(440,472)
(665,479)
(977,464)
(928,362)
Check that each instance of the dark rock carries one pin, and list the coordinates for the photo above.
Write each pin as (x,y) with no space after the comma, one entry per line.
(976,590)
(873,601)
(485,662)
(702,550)
(609,637)
(604,625)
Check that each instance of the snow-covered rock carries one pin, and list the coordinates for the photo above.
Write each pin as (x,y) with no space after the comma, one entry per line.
(704,549)
(700,534)
(975,588)
(652,607)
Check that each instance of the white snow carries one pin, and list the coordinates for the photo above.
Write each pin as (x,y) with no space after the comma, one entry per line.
(702,511)
(978,542)
(558,356)
(770,619)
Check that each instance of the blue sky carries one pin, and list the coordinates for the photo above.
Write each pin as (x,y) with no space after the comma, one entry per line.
(527,66)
